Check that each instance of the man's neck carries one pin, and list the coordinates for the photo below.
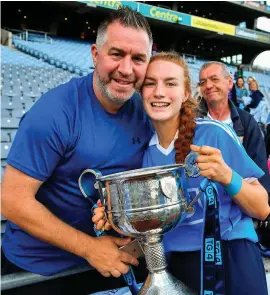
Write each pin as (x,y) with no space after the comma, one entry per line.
(166,131)
(219,110)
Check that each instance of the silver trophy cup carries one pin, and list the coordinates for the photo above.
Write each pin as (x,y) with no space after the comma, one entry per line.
(145,204)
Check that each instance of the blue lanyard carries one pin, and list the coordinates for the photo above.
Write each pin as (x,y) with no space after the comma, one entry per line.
(129,276)
(212,272)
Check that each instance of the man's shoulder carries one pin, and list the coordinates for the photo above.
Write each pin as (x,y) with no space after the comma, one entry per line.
(247,120)
(70,87)
(243,113)
(64,96)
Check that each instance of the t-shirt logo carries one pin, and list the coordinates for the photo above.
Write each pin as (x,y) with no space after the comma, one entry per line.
(136,140)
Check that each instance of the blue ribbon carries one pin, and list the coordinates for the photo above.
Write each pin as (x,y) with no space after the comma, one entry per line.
(129,276)
(212,272)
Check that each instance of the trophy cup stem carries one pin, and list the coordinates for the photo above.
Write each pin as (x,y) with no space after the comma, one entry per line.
(159,281)
(154,254)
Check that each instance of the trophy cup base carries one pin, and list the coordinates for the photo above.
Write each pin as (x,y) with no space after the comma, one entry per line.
(163,283)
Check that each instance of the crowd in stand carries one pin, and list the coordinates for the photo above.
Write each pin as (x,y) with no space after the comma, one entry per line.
(252,100)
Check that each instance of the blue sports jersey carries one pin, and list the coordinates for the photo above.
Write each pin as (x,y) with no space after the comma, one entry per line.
(64,133)
(234,223)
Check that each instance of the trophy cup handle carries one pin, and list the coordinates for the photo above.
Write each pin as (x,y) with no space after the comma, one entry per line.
(203,186)
(83,183)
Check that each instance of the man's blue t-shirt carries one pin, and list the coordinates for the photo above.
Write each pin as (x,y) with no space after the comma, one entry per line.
(64,133)
(234,223)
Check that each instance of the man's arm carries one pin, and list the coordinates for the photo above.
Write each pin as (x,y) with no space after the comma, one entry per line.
(20,206)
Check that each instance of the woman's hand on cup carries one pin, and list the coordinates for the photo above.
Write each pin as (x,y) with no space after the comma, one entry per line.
(212,165)
(99,218)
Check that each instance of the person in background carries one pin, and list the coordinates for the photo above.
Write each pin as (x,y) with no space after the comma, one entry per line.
(249,79)
(240,92)
(215,105)
(167,100)
(154,48)
(256,103)
(235,75)
(232,95)
(267,139)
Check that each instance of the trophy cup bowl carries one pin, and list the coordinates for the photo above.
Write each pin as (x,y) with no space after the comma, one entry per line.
(145,204)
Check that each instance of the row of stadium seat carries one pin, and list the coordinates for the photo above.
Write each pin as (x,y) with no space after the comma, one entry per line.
(61,54)
(23,80)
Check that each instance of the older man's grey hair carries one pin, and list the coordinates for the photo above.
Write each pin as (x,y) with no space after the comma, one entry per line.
(127,18)
(226,72)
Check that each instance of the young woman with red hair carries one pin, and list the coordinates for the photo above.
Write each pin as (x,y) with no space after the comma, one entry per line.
(237,267)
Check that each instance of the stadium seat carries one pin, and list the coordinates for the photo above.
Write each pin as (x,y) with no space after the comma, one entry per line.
(5,147)
(18,113)
(32,93)
(3,163)
(10,92)
(13,134)
(11,105)
(6,113)
(5,136)
(9,122)
(28,105)
(10,98)
(2,173)
(61,54)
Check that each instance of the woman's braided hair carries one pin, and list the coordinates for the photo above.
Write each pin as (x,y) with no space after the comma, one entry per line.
(188,110)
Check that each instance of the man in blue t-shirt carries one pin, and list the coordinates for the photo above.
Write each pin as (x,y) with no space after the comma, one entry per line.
(95,122)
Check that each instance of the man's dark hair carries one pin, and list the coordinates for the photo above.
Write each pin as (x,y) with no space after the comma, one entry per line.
(127,18)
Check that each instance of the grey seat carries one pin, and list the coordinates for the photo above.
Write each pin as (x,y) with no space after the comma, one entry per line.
(6,113)
(10,92)
(32,93)
(24,99)
(5,148)
(13,134)
(17,98)
(5,136)
(2,173)
(18,113)
(11,105)
(5,98)
(28,105)
(26,88)
(3,163)
(9,123)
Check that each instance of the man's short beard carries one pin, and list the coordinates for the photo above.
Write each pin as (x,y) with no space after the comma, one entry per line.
(102,85)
